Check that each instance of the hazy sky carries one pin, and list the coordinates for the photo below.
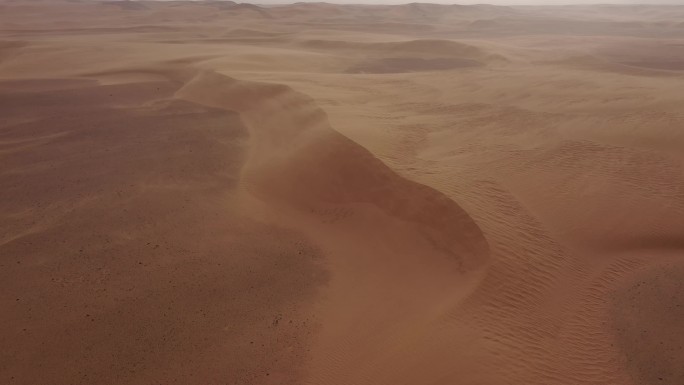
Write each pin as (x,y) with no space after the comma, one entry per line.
(556,2)
(500,2)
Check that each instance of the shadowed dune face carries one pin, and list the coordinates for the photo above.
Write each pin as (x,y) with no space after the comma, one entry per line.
(121,252)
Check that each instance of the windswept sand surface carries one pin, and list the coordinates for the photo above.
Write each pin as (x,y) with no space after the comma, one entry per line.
(219,193)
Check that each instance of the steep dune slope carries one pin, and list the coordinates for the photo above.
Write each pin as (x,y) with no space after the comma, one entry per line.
(297,158)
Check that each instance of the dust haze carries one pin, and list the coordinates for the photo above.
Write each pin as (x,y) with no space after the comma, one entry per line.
(219,193)
(498,2)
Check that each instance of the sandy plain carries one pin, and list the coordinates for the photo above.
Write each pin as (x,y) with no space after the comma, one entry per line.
(221,193)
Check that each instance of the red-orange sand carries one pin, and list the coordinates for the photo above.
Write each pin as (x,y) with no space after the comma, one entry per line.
(219,193)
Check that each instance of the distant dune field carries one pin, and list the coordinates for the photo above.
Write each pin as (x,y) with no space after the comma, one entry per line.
(219,193)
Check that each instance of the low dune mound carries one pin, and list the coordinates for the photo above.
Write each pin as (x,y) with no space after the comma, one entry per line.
(250,36)
(411,64)
(409,56)
(558,23)
(313,10)
(443,12)
(297,158)
(656,55)
(32,85)
(407,13)
(246,10)
(438,47)
(433,55)
(484,24)
(9,48)
(667,65)
(418,10)
(247,32)
(602,64)
(182,10)
(222,5)
(127,5)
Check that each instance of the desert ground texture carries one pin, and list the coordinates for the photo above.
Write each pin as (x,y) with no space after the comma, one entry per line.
(318,194)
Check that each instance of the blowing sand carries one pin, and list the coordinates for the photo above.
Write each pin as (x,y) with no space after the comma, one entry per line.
(221,193)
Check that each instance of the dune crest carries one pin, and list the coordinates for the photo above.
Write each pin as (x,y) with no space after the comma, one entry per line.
(298,158)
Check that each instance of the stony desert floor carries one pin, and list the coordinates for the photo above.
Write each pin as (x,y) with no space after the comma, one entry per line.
(219,193)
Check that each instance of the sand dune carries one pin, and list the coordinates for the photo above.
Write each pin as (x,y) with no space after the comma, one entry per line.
(211,192)
(8,48)
(423,47)
(298,158)
(127,5)
(408,56)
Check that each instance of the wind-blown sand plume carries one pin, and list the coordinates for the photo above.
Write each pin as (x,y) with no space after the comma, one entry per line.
(296,157)
(206,192)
